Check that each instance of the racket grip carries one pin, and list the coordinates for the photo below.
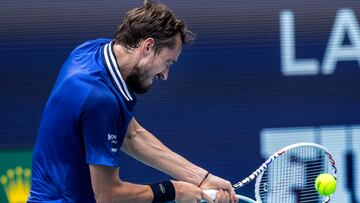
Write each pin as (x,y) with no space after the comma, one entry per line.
(211,193)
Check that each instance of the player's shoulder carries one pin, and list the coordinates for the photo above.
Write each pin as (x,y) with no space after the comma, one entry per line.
(91,45)
(100,97)
(77,86)
(84,67)
(87,51)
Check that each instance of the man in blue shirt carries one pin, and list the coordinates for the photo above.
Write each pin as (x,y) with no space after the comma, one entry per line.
(89,119)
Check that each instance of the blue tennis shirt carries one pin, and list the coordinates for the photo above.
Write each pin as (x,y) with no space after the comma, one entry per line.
(84,122)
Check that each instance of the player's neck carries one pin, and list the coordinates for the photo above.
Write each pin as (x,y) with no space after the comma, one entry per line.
(125,58)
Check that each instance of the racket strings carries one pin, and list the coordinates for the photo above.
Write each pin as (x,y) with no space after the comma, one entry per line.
(291,177)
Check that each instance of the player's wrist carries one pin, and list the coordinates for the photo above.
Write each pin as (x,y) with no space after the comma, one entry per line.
(204,179)
(163,191)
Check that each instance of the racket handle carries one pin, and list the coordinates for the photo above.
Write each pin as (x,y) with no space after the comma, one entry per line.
(211,193)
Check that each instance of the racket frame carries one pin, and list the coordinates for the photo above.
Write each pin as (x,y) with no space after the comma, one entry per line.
(259,171)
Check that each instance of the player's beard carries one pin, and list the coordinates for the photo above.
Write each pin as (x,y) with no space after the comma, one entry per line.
(137,81)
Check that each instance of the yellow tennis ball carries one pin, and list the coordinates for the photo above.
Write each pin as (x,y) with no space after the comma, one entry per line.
(325,184)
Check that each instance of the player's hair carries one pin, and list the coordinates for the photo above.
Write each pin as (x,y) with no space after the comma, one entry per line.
(152,20)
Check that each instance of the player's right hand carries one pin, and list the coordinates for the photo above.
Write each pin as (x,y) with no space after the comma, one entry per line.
(189,193)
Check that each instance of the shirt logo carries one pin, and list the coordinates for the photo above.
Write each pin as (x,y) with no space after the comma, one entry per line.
(112,138)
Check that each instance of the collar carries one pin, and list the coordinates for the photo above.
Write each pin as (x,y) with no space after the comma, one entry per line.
(114,71)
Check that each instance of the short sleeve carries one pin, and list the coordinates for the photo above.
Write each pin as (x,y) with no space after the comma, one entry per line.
(99,122)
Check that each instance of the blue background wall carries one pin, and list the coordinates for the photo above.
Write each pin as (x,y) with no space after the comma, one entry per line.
(224,91)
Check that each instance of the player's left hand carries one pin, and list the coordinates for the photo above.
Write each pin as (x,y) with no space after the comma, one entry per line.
(222,197)
(226,191)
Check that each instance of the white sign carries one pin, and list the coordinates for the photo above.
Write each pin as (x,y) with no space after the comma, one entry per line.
(345,25)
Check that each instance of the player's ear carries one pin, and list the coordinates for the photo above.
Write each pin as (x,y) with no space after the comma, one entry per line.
(147,45)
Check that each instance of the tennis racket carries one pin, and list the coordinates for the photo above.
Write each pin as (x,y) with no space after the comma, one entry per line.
(288,176)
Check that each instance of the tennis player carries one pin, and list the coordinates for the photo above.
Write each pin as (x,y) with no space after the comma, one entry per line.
(89,119)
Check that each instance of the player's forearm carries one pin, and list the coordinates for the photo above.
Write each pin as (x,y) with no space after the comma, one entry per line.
(108,188)
(145,147)
(127,193)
